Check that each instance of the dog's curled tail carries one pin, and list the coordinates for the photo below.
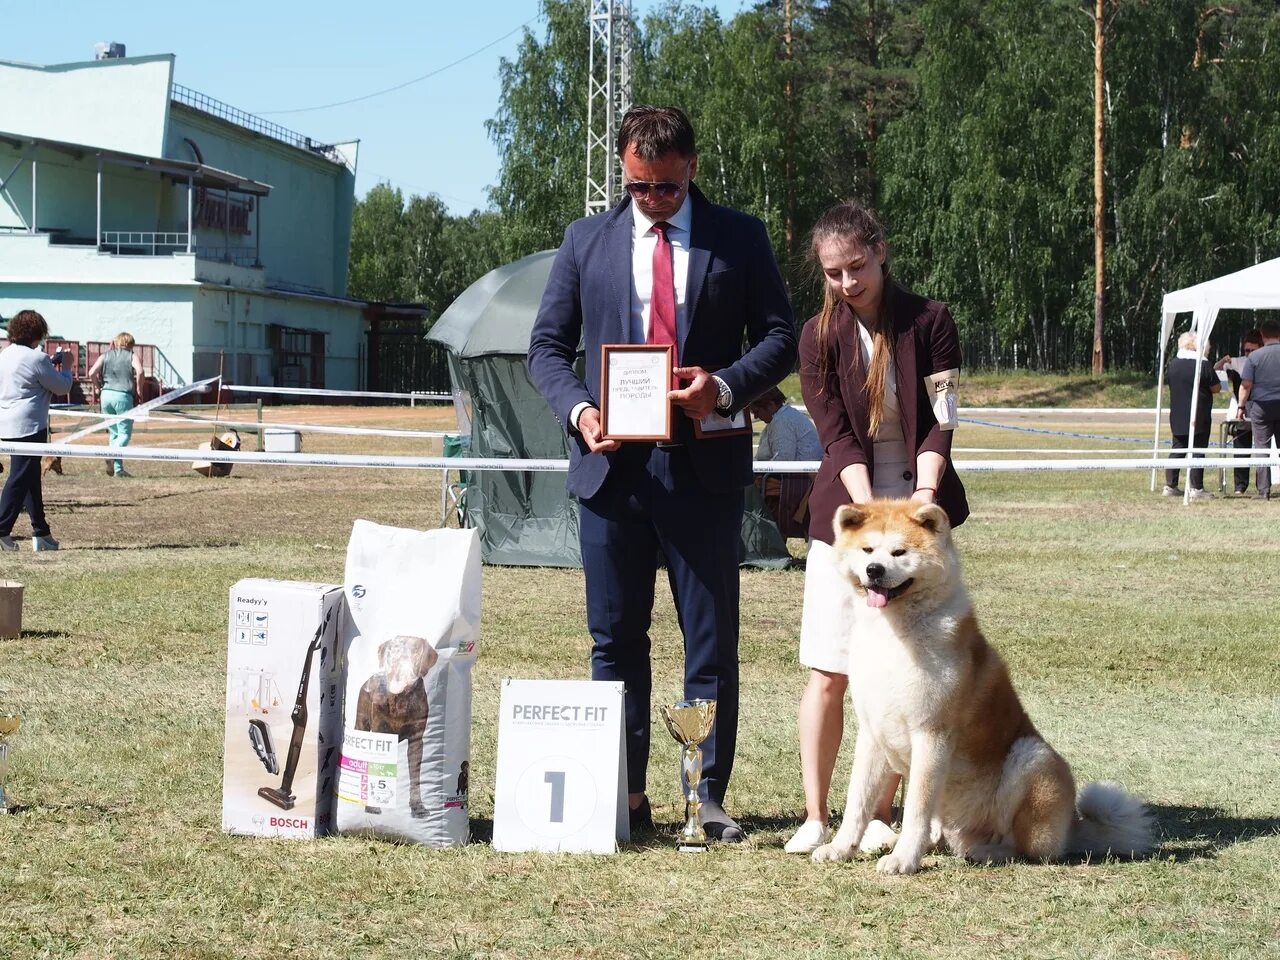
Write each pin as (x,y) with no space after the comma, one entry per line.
(1109,818)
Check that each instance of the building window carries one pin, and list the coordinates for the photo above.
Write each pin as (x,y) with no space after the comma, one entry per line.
(297,356)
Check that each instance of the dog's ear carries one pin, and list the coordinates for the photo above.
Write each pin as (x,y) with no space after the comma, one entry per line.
(384,654)
(849,517)
(932,517)
(424,655)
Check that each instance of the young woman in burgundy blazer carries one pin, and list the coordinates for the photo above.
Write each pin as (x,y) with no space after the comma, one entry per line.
(864,360)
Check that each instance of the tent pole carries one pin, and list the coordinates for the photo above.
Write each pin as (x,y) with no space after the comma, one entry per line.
(1155,440)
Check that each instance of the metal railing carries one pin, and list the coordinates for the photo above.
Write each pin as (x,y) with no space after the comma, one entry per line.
(142,243)
(164,371)
(224,111)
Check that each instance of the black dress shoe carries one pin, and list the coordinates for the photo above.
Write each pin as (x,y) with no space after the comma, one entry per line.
(641,818)
(718,824)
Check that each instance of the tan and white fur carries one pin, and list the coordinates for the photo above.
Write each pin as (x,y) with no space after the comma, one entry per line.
(934,703)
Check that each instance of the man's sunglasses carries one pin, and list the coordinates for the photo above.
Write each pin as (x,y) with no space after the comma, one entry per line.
(664,189)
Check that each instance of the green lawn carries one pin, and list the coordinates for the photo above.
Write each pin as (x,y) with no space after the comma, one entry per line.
(1140,633)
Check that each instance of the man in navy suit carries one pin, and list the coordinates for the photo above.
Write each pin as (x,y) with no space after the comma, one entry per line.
(664,266)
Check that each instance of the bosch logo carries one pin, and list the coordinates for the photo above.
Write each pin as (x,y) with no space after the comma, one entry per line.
(297,823)
(358,591)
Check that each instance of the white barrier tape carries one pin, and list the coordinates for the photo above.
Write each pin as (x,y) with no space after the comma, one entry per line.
(174,416)
(560,466)
(132,414)
(281,459)
(318,392)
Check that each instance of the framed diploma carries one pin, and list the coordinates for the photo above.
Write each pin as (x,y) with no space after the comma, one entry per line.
(715,425)
(634,382)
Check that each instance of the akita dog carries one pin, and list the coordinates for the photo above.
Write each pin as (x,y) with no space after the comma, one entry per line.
(934,703)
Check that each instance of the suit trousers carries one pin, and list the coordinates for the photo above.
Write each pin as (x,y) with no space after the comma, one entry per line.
(1264,418)
(22,490)
(1196,476)
(653,505)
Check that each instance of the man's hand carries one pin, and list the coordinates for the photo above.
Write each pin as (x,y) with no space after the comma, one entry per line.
(592,431)
(699,398)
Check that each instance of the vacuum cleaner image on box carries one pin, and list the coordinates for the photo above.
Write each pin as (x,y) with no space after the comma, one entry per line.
(281,753)
(282,796)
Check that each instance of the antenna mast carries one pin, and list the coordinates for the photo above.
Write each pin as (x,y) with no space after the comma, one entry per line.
(608,98)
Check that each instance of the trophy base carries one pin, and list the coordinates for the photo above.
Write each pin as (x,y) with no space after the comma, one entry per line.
(686,847)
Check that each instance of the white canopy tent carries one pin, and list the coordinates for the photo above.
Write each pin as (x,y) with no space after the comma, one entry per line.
(1253,288)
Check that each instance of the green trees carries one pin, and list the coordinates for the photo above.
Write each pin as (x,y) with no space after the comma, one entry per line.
(968,123)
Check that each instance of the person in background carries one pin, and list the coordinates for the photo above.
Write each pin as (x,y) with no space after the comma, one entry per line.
(788,435)
(118,374)
(1260,397)
(29,378)
(864,362)
(1240,431)
(1181,376)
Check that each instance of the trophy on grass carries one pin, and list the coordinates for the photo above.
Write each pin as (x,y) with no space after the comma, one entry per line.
(9,724)
(690,723)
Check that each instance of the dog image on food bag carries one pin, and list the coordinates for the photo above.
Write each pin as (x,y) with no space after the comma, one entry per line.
(394,700)
(935,703)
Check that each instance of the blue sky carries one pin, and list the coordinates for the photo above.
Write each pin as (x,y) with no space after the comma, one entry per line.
(426,138)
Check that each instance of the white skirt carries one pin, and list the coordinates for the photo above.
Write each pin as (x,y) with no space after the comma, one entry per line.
(826,623)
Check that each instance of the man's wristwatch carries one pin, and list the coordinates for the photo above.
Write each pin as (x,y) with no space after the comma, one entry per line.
(725,400)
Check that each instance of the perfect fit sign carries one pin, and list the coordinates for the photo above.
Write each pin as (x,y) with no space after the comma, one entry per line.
(561,771)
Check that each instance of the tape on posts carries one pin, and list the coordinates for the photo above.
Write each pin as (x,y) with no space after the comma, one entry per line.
(141,408)
(365,461)
(318,392)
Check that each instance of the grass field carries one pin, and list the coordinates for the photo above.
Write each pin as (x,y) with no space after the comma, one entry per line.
(1142,635)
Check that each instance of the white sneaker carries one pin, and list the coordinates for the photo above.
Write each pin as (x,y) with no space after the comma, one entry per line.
(1169,491)
(811,835)
(1200,494)
(44,543)
(8,543)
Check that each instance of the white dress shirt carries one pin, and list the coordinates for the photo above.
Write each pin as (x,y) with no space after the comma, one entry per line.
(643,241)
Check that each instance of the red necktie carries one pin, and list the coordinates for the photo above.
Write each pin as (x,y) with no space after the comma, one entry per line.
(662,299)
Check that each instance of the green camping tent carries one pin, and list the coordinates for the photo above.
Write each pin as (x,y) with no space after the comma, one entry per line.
(529,519)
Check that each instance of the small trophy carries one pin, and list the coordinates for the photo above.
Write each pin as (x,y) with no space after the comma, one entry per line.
(690,723)
(9,724)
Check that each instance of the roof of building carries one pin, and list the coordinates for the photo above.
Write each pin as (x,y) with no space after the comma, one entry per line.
(200,174)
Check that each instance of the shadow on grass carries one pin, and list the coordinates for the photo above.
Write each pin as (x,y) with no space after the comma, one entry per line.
(1201,832)
(109,547)
(1070,391)
(47,634)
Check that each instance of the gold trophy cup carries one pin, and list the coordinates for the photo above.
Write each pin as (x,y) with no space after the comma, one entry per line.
(690,723)
(9,724)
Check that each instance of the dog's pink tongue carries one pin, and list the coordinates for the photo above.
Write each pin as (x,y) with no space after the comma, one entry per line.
(877,597)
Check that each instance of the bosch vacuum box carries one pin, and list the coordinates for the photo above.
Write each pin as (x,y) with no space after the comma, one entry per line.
(284,708)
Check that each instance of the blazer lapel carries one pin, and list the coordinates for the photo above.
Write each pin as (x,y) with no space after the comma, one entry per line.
(618,253)
(702,237)
(904,362)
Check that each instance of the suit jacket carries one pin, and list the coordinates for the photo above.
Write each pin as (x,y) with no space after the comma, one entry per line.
(735,296)
(925,342)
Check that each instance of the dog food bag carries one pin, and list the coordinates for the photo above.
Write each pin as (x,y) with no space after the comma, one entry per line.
(412,626)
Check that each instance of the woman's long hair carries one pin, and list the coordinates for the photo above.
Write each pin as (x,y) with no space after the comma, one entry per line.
(852,221)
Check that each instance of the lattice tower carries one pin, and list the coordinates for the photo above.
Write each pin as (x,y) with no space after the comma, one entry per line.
(608,97)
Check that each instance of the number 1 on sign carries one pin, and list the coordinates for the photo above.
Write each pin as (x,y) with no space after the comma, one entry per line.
(556,779)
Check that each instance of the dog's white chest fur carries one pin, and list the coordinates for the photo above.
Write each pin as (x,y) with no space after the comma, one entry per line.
(902,672)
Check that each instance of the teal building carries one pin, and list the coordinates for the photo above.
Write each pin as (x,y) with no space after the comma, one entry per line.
(129,202)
